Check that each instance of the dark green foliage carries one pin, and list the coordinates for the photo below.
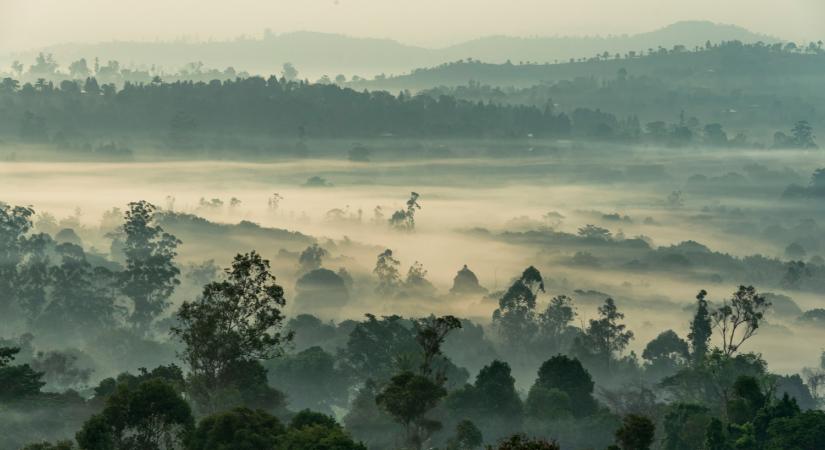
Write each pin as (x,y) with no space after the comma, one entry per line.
(716,437)
(83,300)
(636,433)
(665,354)
(467,437)
(685,424)
(604,338)
(746,400)
(711,383)
(515,317)
(805,431)
(320,289)
(492,401)
(308,418)
(407,398)
(151,416)
(310,378)
(566,375)
(59,445)
(150,276)
(318,437)
(17,382)
(700,328)
(233,324)
(555,332)
(521,442)
(15,223)
(369,423)
(237,429)
(430,335)
(171,375)
(375,345)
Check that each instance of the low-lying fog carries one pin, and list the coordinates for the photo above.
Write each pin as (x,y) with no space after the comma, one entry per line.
(497,216)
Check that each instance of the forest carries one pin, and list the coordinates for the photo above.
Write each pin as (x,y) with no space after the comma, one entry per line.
(341,240)
(229,368)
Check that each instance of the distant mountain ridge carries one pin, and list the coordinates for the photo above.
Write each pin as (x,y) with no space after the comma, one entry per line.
(315,53)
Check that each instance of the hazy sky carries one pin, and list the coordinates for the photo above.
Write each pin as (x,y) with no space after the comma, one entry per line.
(26,24)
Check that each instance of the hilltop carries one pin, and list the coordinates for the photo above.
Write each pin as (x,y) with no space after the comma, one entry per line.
(315,54)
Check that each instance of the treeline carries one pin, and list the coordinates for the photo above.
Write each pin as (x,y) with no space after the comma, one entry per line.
(700,66)
(191,115)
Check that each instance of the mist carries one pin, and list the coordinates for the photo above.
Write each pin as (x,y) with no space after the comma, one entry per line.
(370,225)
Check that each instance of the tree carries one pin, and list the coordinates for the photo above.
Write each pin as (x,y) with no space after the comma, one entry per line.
(15,223)
(738,318)
(417,282)
(715,135)
(386,269)
(492,401)
(636,433)
(34,276)
(666,353)
(375,347)
(238,428)
(150,276)
(80,304)
(407,398)
(466,283)
(521,442)
(430,335)
(746,401)
(151,416)
(554,324)
(289,72)
(715,437)
(701,329)
(404,219)
(79,69)
(802,135)
(369,423)
(803,431)
(17,382)
(311,378)
(515,317)
(605,336)
(311,258)
(684,425)
(569,377)
(593,232)
(467,437)
(235,321)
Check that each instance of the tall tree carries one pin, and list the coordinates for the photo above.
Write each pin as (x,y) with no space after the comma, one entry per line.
(606,336)
(408,397)
(515,317)
(15,223)
(150,276)
(700,329)
(386,269)
(233,324)
(431,333)
(738,318)
(636,433)
(404,219)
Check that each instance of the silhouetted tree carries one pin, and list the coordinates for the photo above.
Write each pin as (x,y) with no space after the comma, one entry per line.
(233,324)
(150,275)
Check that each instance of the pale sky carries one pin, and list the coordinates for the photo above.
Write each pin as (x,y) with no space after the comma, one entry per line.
(27,24)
